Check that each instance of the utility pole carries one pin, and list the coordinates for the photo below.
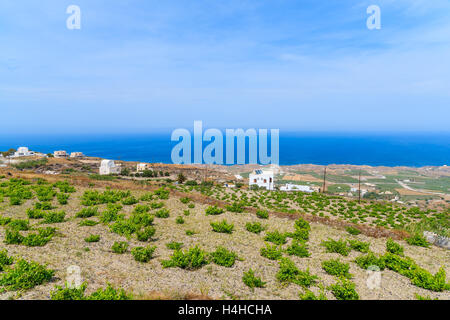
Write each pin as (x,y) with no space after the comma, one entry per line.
(359,187)
(324,179)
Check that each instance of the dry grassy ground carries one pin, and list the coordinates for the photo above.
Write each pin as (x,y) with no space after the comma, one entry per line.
(100,265)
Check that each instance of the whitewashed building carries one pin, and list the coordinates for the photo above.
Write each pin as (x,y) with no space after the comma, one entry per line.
(109,167)
(296,187)
(23,152)
(60,154)
(141,167)
(261,178)
(77,155)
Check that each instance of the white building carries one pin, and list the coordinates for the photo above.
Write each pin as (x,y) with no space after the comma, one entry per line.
(296,187)
(23,152)
(109,167)
(141,167)
(60,154)
(261,178)
(77,155)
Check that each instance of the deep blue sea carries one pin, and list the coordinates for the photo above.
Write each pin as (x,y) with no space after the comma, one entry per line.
(295,148)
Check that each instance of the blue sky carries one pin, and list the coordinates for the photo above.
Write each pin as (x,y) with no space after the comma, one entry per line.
(140,66)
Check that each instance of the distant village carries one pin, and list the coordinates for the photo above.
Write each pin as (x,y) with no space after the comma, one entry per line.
(270,177)
(258,179)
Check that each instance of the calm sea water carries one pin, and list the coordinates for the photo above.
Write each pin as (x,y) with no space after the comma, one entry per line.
(295,148)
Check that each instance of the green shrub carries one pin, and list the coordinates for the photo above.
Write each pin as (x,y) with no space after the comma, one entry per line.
(19,225)
(92,238)
(25,275)
(223,257)
(403,265)
(344,290)
(360,246)
(394,247)
(262,214)
(302,229)
(302,224)
(353,231)
(191,206)
(65,293)
(124,227)
(147,197)
(119,247)
(62,198)
(54,217)
(111,213)
(336,268)
(186,212)
(251,280)
(179,220)
(424,279)
(309,295)
(39,239)
(88,223)
(235,207)
(299,235)
(338,246)
(14,201)
(13,236)
(141,208)
(174,245)
(419,297)
(129,201)
(299,249)
(418,240)
(87,212)
(365,261)
(418,276)
(190,232)
(276,237)
(4,221)
(162,193)
(146,233)
(162,213)
(255,227)
(272,252)
(35,213)
(185,200)
(213,210)
(142,254)
(193,258)
(65,187)
(110,293)
(157,205)
(45,205)
(5,260)
(222,227)
(290,273)
(141,219)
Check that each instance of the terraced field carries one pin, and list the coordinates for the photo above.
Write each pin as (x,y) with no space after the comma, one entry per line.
(165,243)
